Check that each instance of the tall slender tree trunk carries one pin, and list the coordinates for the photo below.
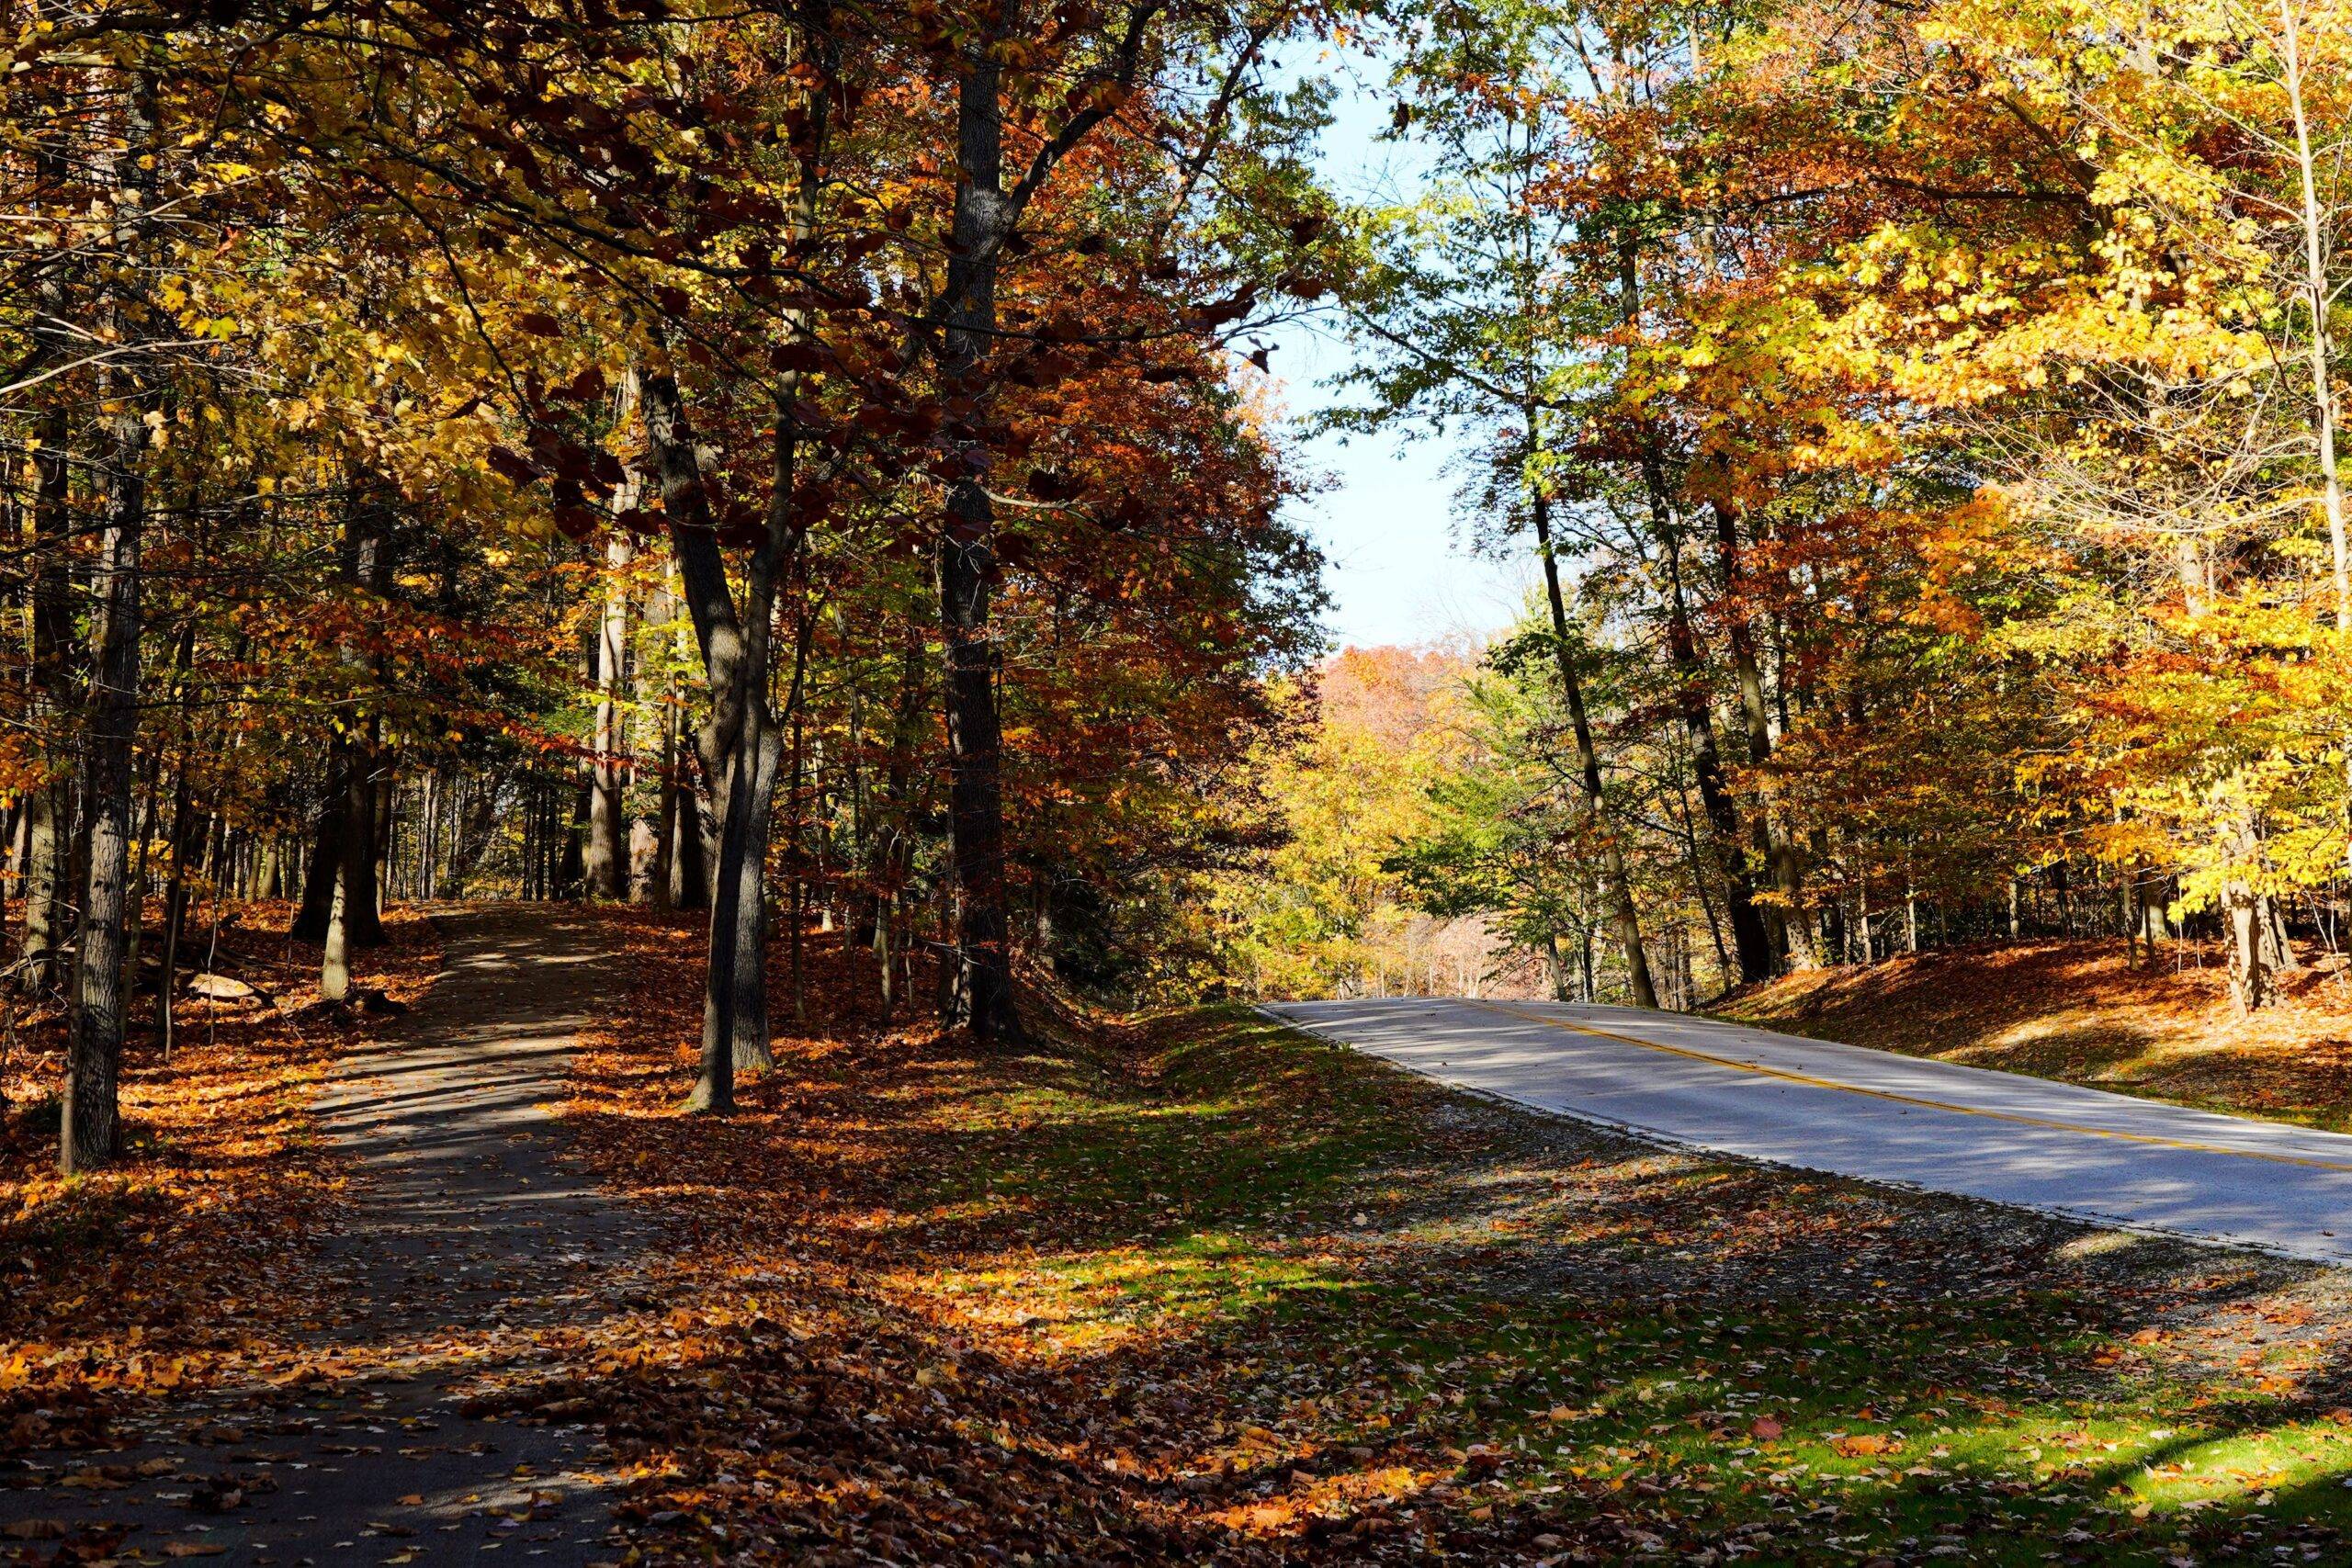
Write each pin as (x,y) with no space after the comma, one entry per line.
(428,835)
(49,806)
(92,1130)
(607,867)
(967,561)
(387,818)
(741,745)
(1790,932)
(180,840)
(1616,887)
(890,851)
(2317,242)
(734,649)
(1750,939)
(343,846)
(689,868)
(351,905)
(797,864)
(665,811)
(313,908)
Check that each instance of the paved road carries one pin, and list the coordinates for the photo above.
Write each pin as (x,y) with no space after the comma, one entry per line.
(465,1235)
(2044,1145)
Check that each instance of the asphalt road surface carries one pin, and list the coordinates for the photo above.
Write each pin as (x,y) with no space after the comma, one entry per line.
(1843,1109)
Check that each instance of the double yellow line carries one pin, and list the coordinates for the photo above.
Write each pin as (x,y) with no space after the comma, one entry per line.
(2151,1138)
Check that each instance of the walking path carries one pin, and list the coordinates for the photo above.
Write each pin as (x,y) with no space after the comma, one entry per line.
(2056,1147)
(464,1234)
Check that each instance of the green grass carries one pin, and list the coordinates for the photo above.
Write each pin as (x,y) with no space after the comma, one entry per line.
(1493,1334)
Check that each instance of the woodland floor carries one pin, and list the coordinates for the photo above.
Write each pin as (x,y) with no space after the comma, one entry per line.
(346,1400)
(1200,1288)
(2074,1010)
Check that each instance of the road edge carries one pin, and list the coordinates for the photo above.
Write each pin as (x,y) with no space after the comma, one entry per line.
(1668,1143)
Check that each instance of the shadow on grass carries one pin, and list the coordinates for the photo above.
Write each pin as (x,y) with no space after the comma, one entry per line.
(1209,1290)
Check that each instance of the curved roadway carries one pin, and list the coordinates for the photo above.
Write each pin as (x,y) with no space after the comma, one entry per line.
(1853,1112)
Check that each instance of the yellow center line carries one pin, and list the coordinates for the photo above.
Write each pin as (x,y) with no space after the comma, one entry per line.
(1809,1080)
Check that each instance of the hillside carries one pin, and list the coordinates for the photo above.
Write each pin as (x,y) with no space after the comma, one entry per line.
(2073,1011)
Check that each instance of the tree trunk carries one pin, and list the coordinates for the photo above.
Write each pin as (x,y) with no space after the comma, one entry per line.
(740,744)
(734,655)
(351,906)
(665,813)
(797,871)
(608,854)
(1750,939)
(1616,887)
(570,876)
(2278,943)
(428,834)
(91,1130)
(2249,972)
(984,217)
(1787,929)
(890,848)
(334,958)
(690,864)
(311,914)
(175,877)
(49,806)
(386,817)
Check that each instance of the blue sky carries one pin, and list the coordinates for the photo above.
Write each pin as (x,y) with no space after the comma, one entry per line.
(1396,571)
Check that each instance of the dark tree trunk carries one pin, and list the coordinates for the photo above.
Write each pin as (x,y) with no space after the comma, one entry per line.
(326,853)
(351,906)
(571,868)
(1750,939)
(1616,885)
(984,219)
(665,828)
(182,841)
(740,747)
(91,1131)
(387,820)
(1787,928)
(891,850)
(690,867)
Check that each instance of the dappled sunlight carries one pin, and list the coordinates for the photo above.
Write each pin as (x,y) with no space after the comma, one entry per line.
(1206,1289)
(203,1231)
(1101,1302)
(1220,1291)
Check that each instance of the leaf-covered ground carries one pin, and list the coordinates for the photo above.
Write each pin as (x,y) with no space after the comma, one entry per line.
(1203,1288)
(2075,1010)
(184,1263)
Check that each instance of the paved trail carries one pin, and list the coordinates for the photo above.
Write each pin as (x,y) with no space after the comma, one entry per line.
(2051,1146)
(464,1234)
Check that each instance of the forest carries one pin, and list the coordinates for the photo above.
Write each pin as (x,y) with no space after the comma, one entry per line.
(647,456)
(772,542)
